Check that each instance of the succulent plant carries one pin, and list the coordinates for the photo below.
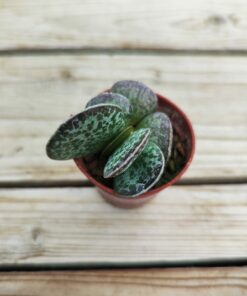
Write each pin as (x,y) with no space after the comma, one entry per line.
(123,129)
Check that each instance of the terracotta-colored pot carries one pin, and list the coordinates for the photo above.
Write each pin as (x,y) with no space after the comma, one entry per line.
(183,127)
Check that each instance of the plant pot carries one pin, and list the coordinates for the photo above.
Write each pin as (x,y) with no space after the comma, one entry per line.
(183,127)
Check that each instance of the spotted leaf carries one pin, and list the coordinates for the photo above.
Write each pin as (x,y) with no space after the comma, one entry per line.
(142,175)
(124,156)
(161,131)
(143,100)
(117,141)
(86,133)
(113,99)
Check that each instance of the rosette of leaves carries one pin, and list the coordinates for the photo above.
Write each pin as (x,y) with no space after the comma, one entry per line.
(122,127)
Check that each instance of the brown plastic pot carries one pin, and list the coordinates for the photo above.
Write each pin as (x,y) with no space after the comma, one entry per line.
(183,127)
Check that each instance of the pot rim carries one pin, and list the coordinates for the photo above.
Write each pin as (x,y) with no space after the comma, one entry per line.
(80,163)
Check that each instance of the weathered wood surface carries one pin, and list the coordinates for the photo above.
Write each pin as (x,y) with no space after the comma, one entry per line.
(190,24)
(38,93)
(157,282)
(74,225)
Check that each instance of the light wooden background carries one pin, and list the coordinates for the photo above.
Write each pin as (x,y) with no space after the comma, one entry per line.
(54,56)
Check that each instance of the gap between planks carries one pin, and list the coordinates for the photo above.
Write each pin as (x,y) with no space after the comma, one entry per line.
(86,183)
(37,267)
(119,51)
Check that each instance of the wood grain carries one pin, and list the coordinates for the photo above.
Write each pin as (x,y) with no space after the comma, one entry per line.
(75,225)
(157,24)
(158,282)
(40,92)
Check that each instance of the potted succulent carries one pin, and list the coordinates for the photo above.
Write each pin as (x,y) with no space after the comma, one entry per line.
(130,142)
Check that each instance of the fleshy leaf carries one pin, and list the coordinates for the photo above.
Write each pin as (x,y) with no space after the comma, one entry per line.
(124,156)
(142,175)
(143,100)
(117,141)
(113,99)
(161,131)
(86,133)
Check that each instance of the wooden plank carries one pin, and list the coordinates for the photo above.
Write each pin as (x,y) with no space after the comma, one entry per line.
(74,225)
(157,282)
(191,24)
(38,93)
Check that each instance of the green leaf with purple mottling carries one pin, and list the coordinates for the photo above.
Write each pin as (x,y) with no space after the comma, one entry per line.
(86,133)
(117,141)
(143,174)
(161,131)
(143,100)
(113,99)
(124,156)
